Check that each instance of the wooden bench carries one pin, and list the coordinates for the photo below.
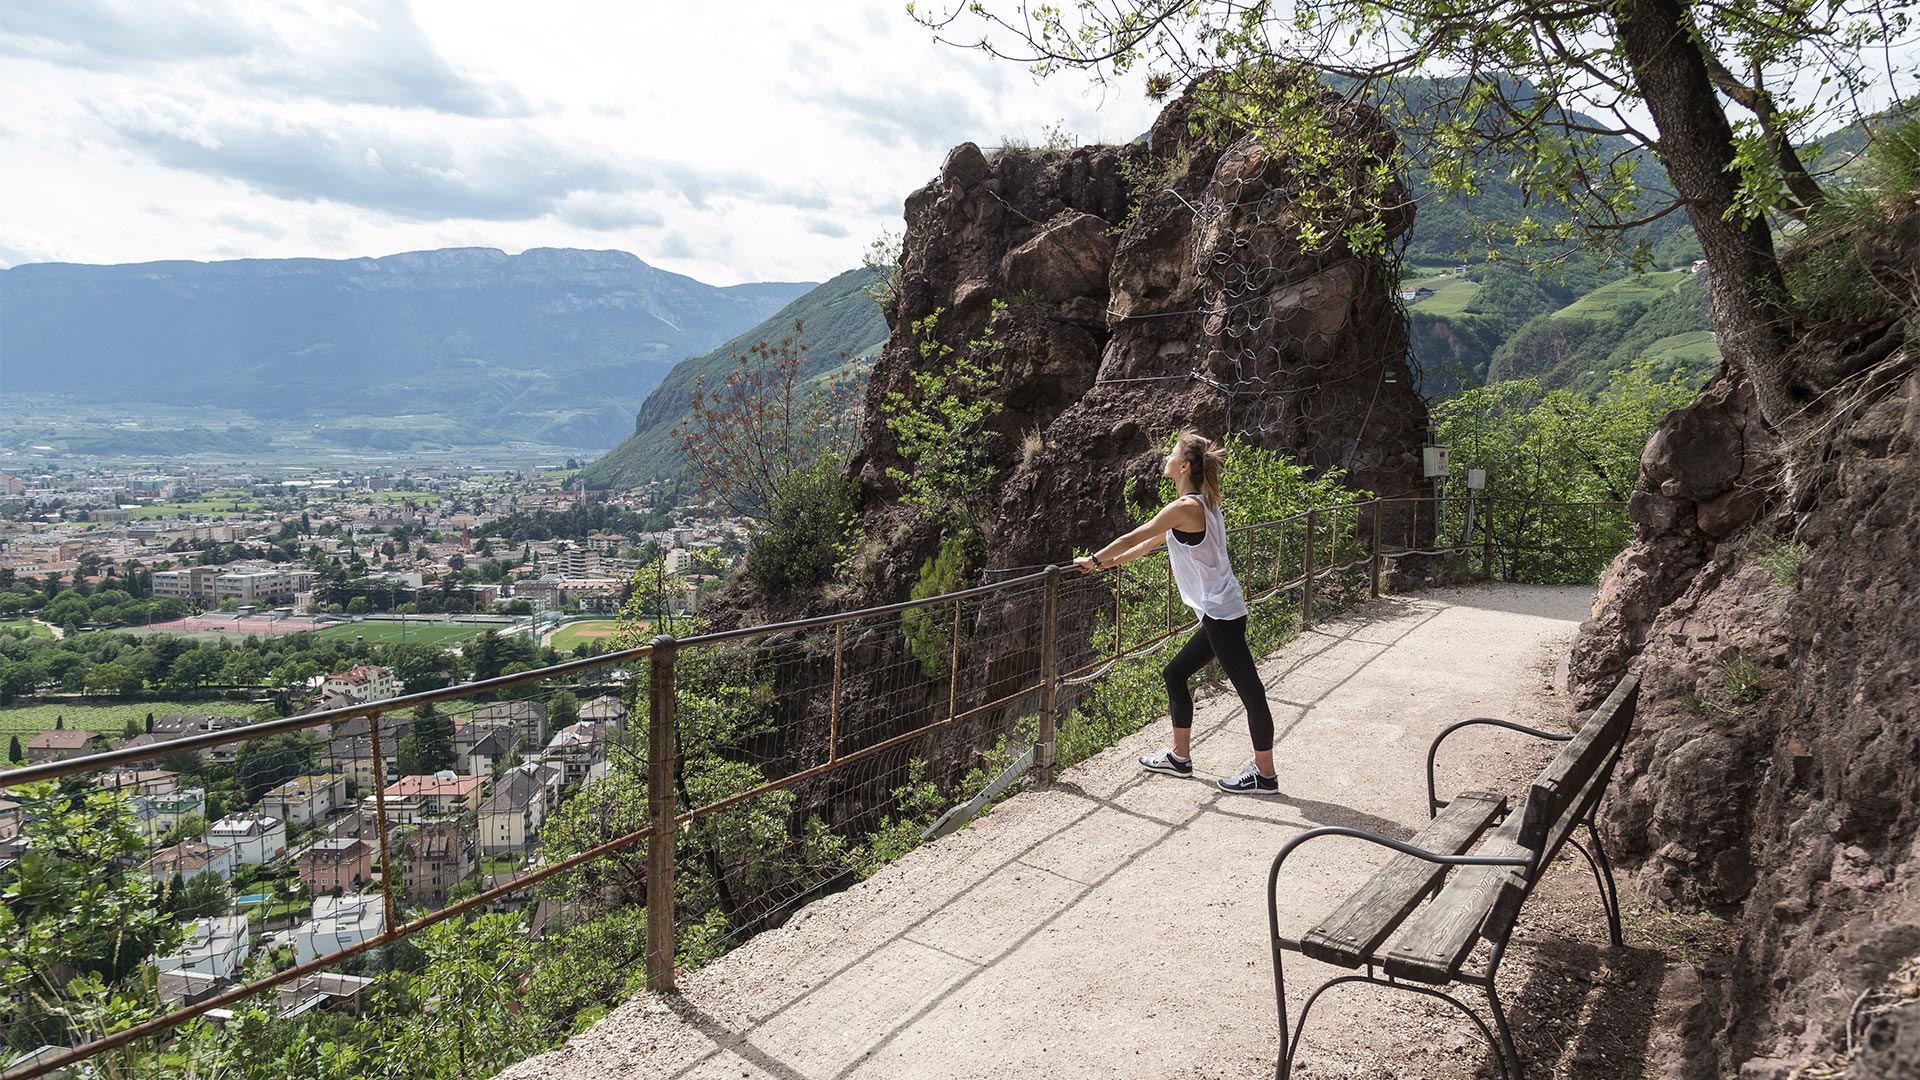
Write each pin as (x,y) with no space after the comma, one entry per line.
(1440,919)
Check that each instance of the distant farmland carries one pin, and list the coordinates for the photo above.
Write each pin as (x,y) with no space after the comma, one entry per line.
(108,720)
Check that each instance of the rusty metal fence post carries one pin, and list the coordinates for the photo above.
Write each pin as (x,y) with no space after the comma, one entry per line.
(1373,563)
(1486,548)
(1045,743)
(1306,577)
(380,818)
(660,748)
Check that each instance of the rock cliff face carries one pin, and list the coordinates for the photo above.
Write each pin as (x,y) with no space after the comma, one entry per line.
(1774,777)
(1197,310)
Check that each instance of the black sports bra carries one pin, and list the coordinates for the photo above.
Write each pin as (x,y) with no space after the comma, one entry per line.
(1193,538)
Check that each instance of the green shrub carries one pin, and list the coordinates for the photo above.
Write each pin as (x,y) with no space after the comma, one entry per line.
(929,630)
(801,542)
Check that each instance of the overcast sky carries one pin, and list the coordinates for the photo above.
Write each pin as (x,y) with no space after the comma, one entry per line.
(730,140)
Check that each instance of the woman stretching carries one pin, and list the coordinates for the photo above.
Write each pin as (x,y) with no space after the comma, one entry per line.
(1196,539)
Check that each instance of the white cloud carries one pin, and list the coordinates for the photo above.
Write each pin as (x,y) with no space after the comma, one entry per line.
(752,140)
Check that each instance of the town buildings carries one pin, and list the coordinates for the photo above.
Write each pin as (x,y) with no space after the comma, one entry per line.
(413,799)
(60,744)
(189,858)
(511,817)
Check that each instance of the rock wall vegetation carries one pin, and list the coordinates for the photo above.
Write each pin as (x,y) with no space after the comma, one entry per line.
(1774,778)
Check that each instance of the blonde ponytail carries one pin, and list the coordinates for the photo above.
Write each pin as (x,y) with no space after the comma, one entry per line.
(1209,462)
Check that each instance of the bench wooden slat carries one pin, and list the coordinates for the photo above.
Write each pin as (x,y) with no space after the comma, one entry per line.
(1580,758)
(1349,935)
(1432,946)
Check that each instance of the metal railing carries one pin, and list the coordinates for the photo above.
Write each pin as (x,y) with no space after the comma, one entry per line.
(781,761)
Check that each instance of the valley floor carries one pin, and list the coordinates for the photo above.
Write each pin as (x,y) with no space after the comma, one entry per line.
(1114,924)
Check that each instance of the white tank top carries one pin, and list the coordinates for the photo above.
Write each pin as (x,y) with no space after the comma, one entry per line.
(1201,570)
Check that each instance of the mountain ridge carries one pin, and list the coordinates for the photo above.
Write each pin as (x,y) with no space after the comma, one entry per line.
(522,346)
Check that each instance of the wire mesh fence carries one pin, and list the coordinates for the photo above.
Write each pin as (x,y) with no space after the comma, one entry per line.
(740,774)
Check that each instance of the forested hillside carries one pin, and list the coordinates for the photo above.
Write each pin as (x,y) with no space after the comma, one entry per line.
(838,317)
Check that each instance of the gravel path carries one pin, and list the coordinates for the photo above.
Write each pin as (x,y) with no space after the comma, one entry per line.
(1114,925)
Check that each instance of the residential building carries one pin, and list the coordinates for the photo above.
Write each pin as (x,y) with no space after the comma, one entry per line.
(322,990)
(214,946)
(305,799)
(354,759)
(528,717)
(145,739)
(335,865)
(433,861)
(251,586)
(443,795)
(511,817)
(338,923)
(482,749)
(576,749)
(254,838)
(139,781)
(188,858)
(361,684)
(59,745)
(193,584)
(183,987)
(12,819)
(176,725)
(605,709)
(166,811)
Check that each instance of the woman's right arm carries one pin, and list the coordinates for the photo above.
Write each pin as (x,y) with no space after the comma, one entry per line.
(1179,514)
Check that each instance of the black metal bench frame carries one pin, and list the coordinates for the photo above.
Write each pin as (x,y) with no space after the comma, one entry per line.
(1547,820)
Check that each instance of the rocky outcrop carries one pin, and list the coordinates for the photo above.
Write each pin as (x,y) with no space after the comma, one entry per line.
(1774,775)
(1205,312)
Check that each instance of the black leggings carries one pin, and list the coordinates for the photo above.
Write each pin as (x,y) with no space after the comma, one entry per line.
(1226,641)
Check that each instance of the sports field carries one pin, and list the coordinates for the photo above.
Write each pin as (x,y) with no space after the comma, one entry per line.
(33,629)
(430,633)
(108,720)
(572,635)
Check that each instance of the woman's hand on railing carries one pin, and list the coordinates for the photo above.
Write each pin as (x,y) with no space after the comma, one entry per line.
(1085,563)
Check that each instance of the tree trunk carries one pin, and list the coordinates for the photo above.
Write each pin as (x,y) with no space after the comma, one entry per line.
(1696,146)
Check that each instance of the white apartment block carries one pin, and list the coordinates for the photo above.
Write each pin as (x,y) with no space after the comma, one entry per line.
(338,923)
(254,838)
(242,583)
(306,799)
(215,946)
(367,682)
